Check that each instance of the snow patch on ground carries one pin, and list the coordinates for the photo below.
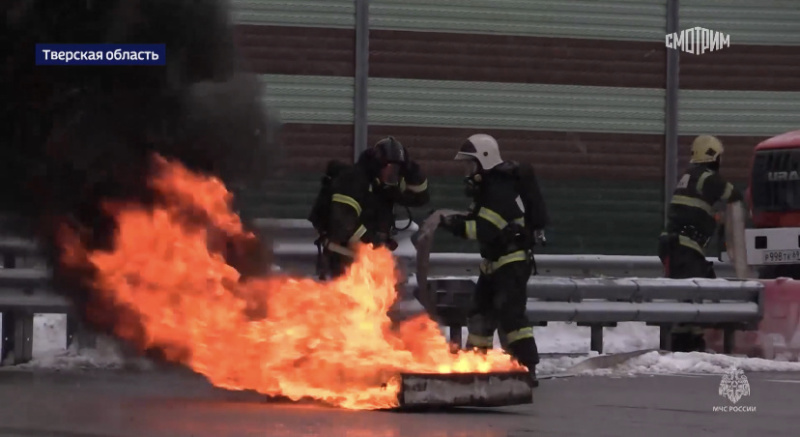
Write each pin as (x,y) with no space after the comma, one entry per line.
(50,349)
(693,362)
(569,338)
(107,354)
(559,365)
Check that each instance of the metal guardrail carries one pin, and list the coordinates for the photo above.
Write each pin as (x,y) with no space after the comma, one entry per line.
(597,303)
(18,246)
(41,302)
(580,266)
(18,252)
(25,292)
(553,296)
(295,251)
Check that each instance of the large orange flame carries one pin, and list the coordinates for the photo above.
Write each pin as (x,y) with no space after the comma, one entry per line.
(331,341)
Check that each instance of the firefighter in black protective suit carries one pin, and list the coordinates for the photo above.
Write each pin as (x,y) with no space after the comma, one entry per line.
(691,224)
(497,220)
(363,200)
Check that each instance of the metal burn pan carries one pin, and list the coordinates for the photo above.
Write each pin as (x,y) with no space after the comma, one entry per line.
(497,389)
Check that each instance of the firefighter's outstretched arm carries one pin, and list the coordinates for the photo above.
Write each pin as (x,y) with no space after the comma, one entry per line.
(413,187)
(485,224)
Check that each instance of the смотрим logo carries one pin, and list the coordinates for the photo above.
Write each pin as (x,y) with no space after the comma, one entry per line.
(698,40)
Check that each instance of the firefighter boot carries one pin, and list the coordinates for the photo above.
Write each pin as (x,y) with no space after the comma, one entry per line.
(526,352)
(534,379)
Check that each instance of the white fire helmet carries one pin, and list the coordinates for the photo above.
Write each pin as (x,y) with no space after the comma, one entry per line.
(483,148)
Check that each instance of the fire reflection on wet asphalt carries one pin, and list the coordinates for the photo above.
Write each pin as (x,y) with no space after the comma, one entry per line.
(176,404)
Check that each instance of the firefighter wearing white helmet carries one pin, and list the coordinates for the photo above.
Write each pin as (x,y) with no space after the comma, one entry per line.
(691,224)
(507,218)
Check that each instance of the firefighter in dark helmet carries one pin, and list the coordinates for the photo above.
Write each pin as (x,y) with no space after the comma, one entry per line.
(360,200)
(507,218)
(691,224)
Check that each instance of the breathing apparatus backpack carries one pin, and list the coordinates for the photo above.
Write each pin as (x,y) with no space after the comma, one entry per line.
(536,216)
(320,211)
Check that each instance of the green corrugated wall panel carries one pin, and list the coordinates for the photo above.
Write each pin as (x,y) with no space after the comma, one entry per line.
(738,112)
(764,22)
(311,99)
(747,21)
(312,13)
(515,106)
(613,19)
(411,102)
(588,216)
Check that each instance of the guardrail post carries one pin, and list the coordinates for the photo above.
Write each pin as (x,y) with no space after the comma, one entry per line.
(456,339)
(23,337)
(7,339)
(728,339)
(9,260)
(665,337)
(72,329)
(596,342)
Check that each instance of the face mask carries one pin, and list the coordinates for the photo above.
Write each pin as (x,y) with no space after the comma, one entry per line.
(390,174)
(715,165)
(472,186)
(470,168)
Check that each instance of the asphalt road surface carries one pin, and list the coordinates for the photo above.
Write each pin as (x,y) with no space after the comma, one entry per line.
(177,404)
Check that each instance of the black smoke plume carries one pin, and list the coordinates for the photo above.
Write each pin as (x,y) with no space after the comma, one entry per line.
(73,136)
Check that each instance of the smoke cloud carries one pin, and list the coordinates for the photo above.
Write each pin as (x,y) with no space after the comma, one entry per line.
(74,136)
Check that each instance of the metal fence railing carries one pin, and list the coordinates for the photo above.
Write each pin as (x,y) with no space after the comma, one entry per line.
(569,288)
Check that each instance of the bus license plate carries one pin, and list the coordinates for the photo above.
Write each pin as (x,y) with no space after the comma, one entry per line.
(781,256)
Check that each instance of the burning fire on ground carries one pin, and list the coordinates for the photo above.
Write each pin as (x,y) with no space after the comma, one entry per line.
(277,335)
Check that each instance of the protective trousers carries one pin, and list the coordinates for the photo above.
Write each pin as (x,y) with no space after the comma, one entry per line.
(682,262)
(499,303)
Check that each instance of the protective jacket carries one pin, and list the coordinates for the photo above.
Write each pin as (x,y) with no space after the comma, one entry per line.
(691,215)
(496,218)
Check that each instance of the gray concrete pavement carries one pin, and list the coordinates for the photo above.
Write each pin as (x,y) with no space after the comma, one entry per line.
(177,404)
